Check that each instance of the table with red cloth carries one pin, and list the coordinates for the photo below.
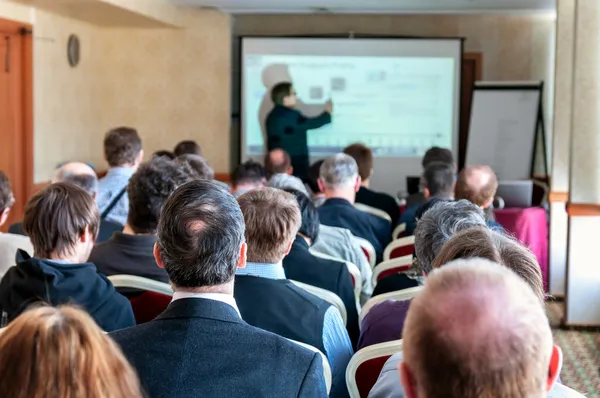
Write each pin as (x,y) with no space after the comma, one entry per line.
(530,227)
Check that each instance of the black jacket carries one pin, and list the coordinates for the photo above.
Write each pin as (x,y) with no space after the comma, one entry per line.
(201,348)
(34,280)
(379,200)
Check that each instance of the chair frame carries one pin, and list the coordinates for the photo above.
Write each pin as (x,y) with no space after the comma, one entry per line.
(398,231)
(352,269)
(400,295)
(404,261)
(409,240)
(365,244)
(371,352)
(326,295)
(373,211)
(326,366)
(138,282)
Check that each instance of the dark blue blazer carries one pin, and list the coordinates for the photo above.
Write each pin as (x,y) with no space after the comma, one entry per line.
(340,213)
(202,348)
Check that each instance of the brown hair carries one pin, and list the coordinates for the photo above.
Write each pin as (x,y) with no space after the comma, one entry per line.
(6,195)
(482,242)
(57,216)
(61,352)
(199,167)
(122,146)
(276,167)
(363,156)
(272,220)
(187,147)
(477,184)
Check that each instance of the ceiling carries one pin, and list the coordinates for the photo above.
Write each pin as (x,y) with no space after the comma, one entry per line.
(374,6)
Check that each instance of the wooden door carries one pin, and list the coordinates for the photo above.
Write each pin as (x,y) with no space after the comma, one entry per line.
(15,126)
(472,66)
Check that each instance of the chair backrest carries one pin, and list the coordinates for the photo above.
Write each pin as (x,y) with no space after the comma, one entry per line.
(368,249)
(400,295)
(372,210)
(352,269)
(149,304)
(365,366)
(400,248)
(326,366)
(391,267)
(399,231)
(326,295)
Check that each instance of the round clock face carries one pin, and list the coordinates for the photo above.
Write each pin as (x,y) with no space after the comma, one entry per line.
(73,50)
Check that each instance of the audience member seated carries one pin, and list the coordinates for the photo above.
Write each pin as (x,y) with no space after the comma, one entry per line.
(200,347)
(200,167)
(268,300)
(333,241)
(340,181)
(123,152)
(478,184)
(131,252)
(382,201)
(435,227)
(187,147)
(247,176)
(10,242)
(302,266)
(60,352)
(437,180)
(62,222)
(278,161)
(433,154)
(313,183)
(83,176)
(491,336)
(163,153)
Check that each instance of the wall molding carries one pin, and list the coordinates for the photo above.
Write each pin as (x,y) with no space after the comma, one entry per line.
(583,209)
(558,196)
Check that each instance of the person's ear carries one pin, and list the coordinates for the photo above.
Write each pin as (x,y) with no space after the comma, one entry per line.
(243,255)
(357,184)
(86,236)
(157,257)
(140,157)
(4,215)
(488,203)
(321,185)
(426,193)
(290,170)
(554,368)
(95,195)
(408,381)
(289,247)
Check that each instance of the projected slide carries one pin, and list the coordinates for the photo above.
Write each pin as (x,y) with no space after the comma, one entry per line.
(399,106)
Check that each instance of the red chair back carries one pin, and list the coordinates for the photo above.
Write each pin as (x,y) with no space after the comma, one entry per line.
(392,271)
(148,305)
(368,373)
(407,250)
(366,253)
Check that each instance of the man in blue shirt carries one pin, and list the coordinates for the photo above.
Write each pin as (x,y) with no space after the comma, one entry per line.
(123,152)
(266,299)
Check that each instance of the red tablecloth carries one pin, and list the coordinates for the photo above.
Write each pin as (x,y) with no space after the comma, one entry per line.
(530,227)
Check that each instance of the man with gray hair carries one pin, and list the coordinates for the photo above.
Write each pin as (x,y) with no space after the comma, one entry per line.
(339,180)
(84,177)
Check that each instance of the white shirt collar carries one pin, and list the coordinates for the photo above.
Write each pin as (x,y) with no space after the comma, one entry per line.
(222,297)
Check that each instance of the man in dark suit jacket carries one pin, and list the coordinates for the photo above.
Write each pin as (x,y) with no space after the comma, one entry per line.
(433,154)
(200,347)
(287,127)
(302,266)
(340,181)
(363,156)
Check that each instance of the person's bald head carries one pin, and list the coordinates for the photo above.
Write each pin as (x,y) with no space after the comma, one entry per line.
(79,174)
(278,161)
(477,184)
(477,330)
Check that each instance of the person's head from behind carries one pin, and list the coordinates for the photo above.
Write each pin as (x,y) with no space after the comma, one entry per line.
(482,242)
(283,94)
(309,226)
(62,222)
(477,184)
(187,147)
(437,154)
(339,178)
(61,352)
(123,147)
(286,181)
(200,238)
(7,200)
(79,174)
(438,180)
(278,161)
(363,156)
(148,189)
(163,153)
(477,331)
(272,219)
(199,167)
(439,224)
(248,175)
(313,177)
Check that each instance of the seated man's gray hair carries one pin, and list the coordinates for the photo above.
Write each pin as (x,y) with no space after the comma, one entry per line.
(339,171)
(285,181)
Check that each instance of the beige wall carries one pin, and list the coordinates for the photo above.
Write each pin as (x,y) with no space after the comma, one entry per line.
(170,84)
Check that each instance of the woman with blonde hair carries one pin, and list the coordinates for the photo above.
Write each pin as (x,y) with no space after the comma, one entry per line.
(60,352)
